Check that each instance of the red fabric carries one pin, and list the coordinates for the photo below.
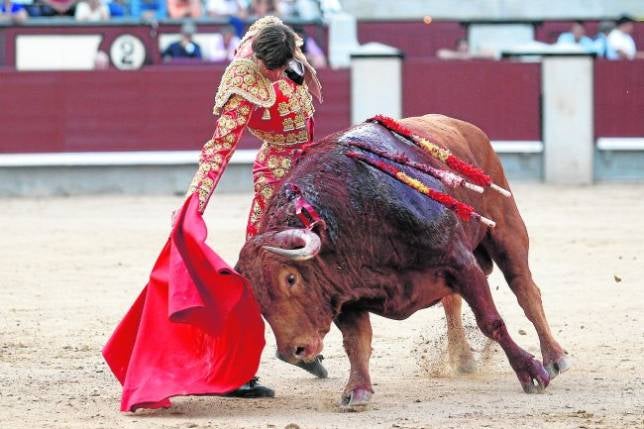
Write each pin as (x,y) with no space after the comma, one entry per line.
(195,328)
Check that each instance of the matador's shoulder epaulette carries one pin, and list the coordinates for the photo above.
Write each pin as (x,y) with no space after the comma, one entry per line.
(242,77)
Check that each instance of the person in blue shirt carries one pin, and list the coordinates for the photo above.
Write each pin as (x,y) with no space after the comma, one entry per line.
(149,9)
(185,47)
(12,12)
(577,36)
(602,47)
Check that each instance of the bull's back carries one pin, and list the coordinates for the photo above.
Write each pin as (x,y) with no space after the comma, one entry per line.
(463,139)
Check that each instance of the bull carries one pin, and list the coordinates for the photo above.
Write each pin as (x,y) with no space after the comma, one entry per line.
(388,250)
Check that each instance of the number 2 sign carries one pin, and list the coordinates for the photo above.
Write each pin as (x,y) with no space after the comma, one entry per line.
(127,52)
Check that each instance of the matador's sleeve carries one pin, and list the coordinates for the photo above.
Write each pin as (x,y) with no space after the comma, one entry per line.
(216,153)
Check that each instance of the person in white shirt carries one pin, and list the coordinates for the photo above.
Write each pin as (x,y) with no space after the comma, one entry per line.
(621,41)
(237,8)
(91,10)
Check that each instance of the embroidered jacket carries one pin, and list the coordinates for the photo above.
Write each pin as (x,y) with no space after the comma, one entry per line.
(278,113)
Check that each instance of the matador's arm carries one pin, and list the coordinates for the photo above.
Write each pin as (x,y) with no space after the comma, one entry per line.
(216,153)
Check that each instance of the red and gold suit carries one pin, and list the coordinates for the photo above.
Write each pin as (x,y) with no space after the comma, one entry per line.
(280,114)
(196,328)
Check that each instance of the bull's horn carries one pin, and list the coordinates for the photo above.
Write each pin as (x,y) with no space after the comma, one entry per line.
(296,244)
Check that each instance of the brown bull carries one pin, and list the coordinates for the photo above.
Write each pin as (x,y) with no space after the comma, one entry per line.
(388,250)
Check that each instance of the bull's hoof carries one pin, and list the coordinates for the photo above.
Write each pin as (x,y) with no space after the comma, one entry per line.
(533,377)
(559,366)
(466,364)
(355,400)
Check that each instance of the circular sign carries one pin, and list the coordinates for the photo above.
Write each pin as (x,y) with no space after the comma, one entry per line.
(127,52)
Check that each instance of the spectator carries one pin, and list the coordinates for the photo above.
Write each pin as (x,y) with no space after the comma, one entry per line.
(91,10)
(227,8)
(577,36)
(55,7)
(12,12)
(184,8)
(308,10)
(101,61)
(223,48)
(260,8)
(602,47)
(149,10)
(621,41)
(329,7)
(462,52)
(310,48)
(117,8)
(185,47)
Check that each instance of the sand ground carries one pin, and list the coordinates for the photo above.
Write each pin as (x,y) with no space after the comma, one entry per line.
(70,268)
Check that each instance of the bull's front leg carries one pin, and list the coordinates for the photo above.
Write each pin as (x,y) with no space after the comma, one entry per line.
(356,332)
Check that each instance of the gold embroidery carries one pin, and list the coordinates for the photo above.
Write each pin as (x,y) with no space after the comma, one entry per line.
(244,110)
(283,108)
(287,124)
(299,121)
(267,192)
(255,213)
(285,88)
(242,77)
(204,192)
(272,162)
(281,139)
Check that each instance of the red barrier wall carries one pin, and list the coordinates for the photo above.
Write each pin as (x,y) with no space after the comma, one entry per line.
(158,108)
(502,98)
(414,38)
(619,98)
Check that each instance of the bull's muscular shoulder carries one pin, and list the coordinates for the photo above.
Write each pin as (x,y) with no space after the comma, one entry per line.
(242,77)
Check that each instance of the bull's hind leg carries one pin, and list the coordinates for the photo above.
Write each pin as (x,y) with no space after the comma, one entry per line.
(508,246)
(460,353)
(469,281)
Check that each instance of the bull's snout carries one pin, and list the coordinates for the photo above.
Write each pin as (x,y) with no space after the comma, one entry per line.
(307,351)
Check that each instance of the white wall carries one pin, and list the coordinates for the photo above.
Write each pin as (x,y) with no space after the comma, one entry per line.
(496,9)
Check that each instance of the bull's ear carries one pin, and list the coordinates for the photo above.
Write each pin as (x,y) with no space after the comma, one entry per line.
(296,244)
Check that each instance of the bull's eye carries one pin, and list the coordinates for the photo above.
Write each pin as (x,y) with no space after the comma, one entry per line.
(291,279)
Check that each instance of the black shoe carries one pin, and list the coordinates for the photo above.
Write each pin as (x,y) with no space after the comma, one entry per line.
(252,389)
(316,368)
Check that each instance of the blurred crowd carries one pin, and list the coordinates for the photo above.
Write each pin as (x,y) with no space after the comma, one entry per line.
(613,41)
(99,10)
(221,47)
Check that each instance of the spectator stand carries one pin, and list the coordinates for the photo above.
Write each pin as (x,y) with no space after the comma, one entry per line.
(62,43)
(129,117)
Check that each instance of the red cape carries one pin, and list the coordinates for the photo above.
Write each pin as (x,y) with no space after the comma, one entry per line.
(195,328)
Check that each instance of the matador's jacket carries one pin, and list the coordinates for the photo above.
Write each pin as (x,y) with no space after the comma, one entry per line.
(279,114)
(196,328)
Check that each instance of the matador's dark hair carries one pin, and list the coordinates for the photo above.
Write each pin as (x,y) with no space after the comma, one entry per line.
(274,45)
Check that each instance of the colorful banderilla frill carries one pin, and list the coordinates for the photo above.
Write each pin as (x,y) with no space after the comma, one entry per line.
(463,210)
(446,177)
(442,154)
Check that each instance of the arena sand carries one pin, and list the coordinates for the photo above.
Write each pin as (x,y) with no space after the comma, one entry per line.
(71,267)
